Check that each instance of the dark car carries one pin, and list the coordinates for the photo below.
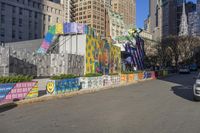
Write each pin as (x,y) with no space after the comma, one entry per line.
(184,69)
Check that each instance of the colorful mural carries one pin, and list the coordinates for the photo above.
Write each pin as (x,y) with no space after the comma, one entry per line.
(102,56)
(62,86)
(63,29)
(133,50)
(18,91)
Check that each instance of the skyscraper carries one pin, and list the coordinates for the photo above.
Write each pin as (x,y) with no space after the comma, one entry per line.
(68,9)
(93,13)
(194,21)
(165,17)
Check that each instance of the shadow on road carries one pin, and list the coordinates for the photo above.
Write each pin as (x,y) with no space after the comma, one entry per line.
(7,107)
(184,84)
(183,92)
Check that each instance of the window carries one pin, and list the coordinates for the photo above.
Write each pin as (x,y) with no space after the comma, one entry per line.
(44,17)
(29,24)
(13,21)
(36,36)
(14,9)
(20,22)
(57,19)
(2,32)
(20,11)
(20,35)
(30,14)
(3,6)
(30,36)
(36,15)
(36,25)
(2,19)
(13,34)
(44,27)
(49,18)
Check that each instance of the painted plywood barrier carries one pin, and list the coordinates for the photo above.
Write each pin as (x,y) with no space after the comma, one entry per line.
(102,56)
(153,75)
(147,75)
(99,82)
(91,82)
(62,86)
(130,77)
(88,83)
(18,91)
(140,76)
(124,78)
(115,80)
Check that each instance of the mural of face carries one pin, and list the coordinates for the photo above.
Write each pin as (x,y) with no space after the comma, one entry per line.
(50,87)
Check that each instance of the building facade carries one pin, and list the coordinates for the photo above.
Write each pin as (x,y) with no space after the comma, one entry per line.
(165,17)
(68,9)
(194,21)
(117,26)
(93,13)
(27,19)
(153,24)
(126,8)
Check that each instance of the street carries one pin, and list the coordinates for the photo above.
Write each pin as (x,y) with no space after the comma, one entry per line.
(157,106)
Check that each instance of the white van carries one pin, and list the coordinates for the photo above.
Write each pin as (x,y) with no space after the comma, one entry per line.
(196,89)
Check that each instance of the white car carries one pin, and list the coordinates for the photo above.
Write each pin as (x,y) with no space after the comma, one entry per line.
(196,89)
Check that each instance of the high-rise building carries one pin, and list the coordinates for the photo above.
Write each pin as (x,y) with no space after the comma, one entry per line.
(153,23)
(165,16)
(27,19)
(69,10)
(93,13)
(117,26)
(126,8)
(194,21)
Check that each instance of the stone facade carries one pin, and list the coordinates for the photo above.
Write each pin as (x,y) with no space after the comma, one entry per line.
(194,21)
(39,65)
(29,19)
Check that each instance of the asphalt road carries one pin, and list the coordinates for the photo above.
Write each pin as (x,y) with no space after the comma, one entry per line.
(159,106)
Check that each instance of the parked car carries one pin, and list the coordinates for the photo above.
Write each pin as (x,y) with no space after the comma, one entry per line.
(184,69)
(196,89)
(193,67)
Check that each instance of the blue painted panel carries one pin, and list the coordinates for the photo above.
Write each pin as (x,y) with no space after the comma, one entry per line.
(5,89)
(66,85)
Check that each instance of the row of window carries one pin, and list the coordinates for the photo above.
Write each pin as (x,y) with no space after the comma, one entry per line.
(20,20)
(43,8)
(19,35)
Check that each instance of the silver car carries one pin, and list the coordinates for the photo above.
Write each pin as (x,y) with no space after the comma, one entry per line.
(196,89)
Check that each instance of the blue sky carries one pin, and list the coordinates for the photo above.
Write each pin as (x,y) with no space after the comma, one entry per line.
(142,11)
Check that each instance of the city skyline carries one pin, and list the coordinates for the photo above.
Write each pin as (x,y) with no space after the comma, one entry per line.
(142,11)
